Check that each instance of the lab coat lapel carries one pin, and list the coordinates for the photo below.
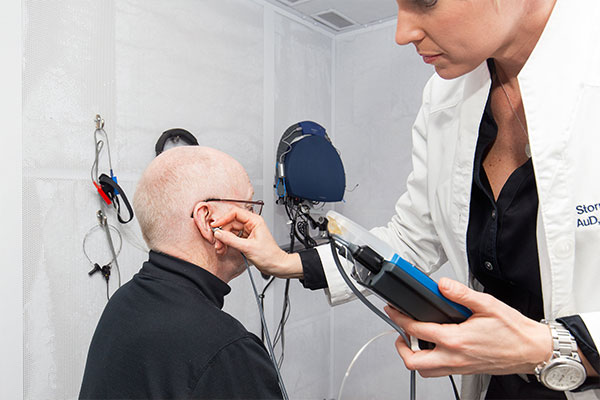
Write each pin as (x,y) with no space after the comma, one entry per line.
(476,92)
(549,98)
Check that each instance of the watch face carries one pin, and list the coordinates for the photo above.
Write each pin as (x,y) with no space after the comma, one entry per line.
(565,376)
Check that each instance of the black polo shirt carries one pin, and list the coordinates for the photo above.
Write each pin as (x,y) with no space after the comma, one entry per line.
(163,335)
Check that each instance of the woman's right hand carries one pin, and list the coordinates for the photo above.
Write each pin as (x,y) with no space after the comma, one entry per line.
(257,243)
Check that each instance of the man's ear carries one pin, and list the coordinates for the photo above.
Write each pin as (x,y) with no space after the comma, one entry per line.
(203,218)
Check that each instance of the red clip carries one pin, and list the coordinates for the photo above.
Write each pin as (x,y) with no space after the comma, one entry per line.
(102,194)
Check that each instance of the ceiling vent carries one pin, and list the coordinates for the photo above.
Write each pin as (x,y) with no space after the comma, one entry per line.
(292,3)
(334,20)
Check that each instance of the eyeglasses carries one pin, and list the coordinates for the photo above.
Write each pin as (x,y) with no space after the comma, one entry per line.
(254,206)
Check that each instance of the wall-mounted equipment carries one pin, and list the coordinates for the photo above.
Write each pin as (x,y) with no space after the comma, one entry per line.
(307,166)
(174,135)
(308,171)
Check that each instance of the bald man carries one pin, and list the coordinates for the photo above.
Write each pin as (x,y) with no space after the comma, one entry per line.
(163,335)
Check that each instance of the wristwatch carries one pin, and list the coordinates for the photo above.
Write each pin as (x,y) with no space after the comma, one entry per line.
(564,371)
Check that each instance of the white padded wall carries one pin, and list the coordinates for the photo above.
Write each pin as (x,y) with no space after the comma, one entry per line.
(191,64)
(68,69)
(378,93)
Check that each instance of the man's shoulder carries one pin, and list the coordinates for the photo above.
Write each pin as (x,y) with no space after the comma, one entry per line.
(211,320)
(172,311)
(220,378)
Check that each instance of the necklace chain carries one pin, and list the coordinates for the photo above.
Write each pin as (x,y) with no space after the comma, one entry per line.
(527,147)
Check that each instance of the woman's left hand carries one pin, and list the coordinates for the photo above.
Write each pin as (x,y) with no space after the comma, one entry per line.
(496,339)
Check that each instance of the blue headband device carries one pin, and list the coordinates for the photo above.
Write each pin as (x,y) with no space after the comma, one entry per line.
(308,166)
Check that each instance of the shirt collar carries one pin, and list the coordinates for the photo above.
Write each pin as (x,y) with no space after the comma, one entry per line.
(167,267)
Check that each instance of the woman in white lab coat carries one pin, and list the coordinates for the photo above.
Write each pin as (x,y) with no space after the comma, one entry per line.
(505,186)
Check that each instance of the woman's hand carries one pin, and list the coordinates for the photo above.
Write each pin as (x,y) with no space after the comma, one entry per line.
(496,339)
(257,243)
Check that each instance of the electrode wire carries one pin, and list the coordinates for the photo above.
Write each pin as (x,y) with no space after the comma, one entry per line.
(102,131)
(91,231)
(94,171)
(266,330)
(102,220)
(339,396)
(130,236)
(289,144)
(106,227)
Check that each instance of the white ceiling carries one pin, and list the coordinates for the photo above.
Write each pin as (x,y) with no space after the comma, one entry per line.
(362,13)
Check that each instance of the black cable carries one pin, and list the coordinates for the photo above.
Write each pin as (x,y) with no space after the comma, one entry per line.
(454,388)
(286,206)
(370,305)
(262,304)
(378,312)
(357,292)
(299,237)
(303,228)
(271,352)
(292,214)
(299,231)
(297,226)
(268,284)
(285,314)
(286,308)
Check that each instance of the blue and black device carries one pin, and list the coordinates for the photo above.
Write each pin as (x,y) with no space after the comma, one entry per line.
(308,165)
(407,288)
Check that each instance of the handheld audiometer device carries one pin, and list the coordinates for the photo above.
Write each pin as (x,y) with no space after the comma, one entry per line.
(392,278)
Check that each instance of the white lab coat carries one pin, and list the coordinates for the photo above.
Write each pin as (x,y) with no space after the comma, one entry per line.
(560,87)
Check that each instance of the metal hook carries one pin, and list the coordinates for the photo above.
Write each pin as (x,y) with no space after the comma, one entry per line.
(101,217)
(99,122)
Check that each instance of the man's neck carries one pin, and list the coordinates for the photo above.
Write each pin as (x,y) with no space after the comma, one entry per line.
(197,257)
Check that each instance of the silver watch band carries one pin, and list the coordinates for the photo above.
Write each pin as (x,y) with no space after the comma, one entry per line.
(565,357)
(563,343)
